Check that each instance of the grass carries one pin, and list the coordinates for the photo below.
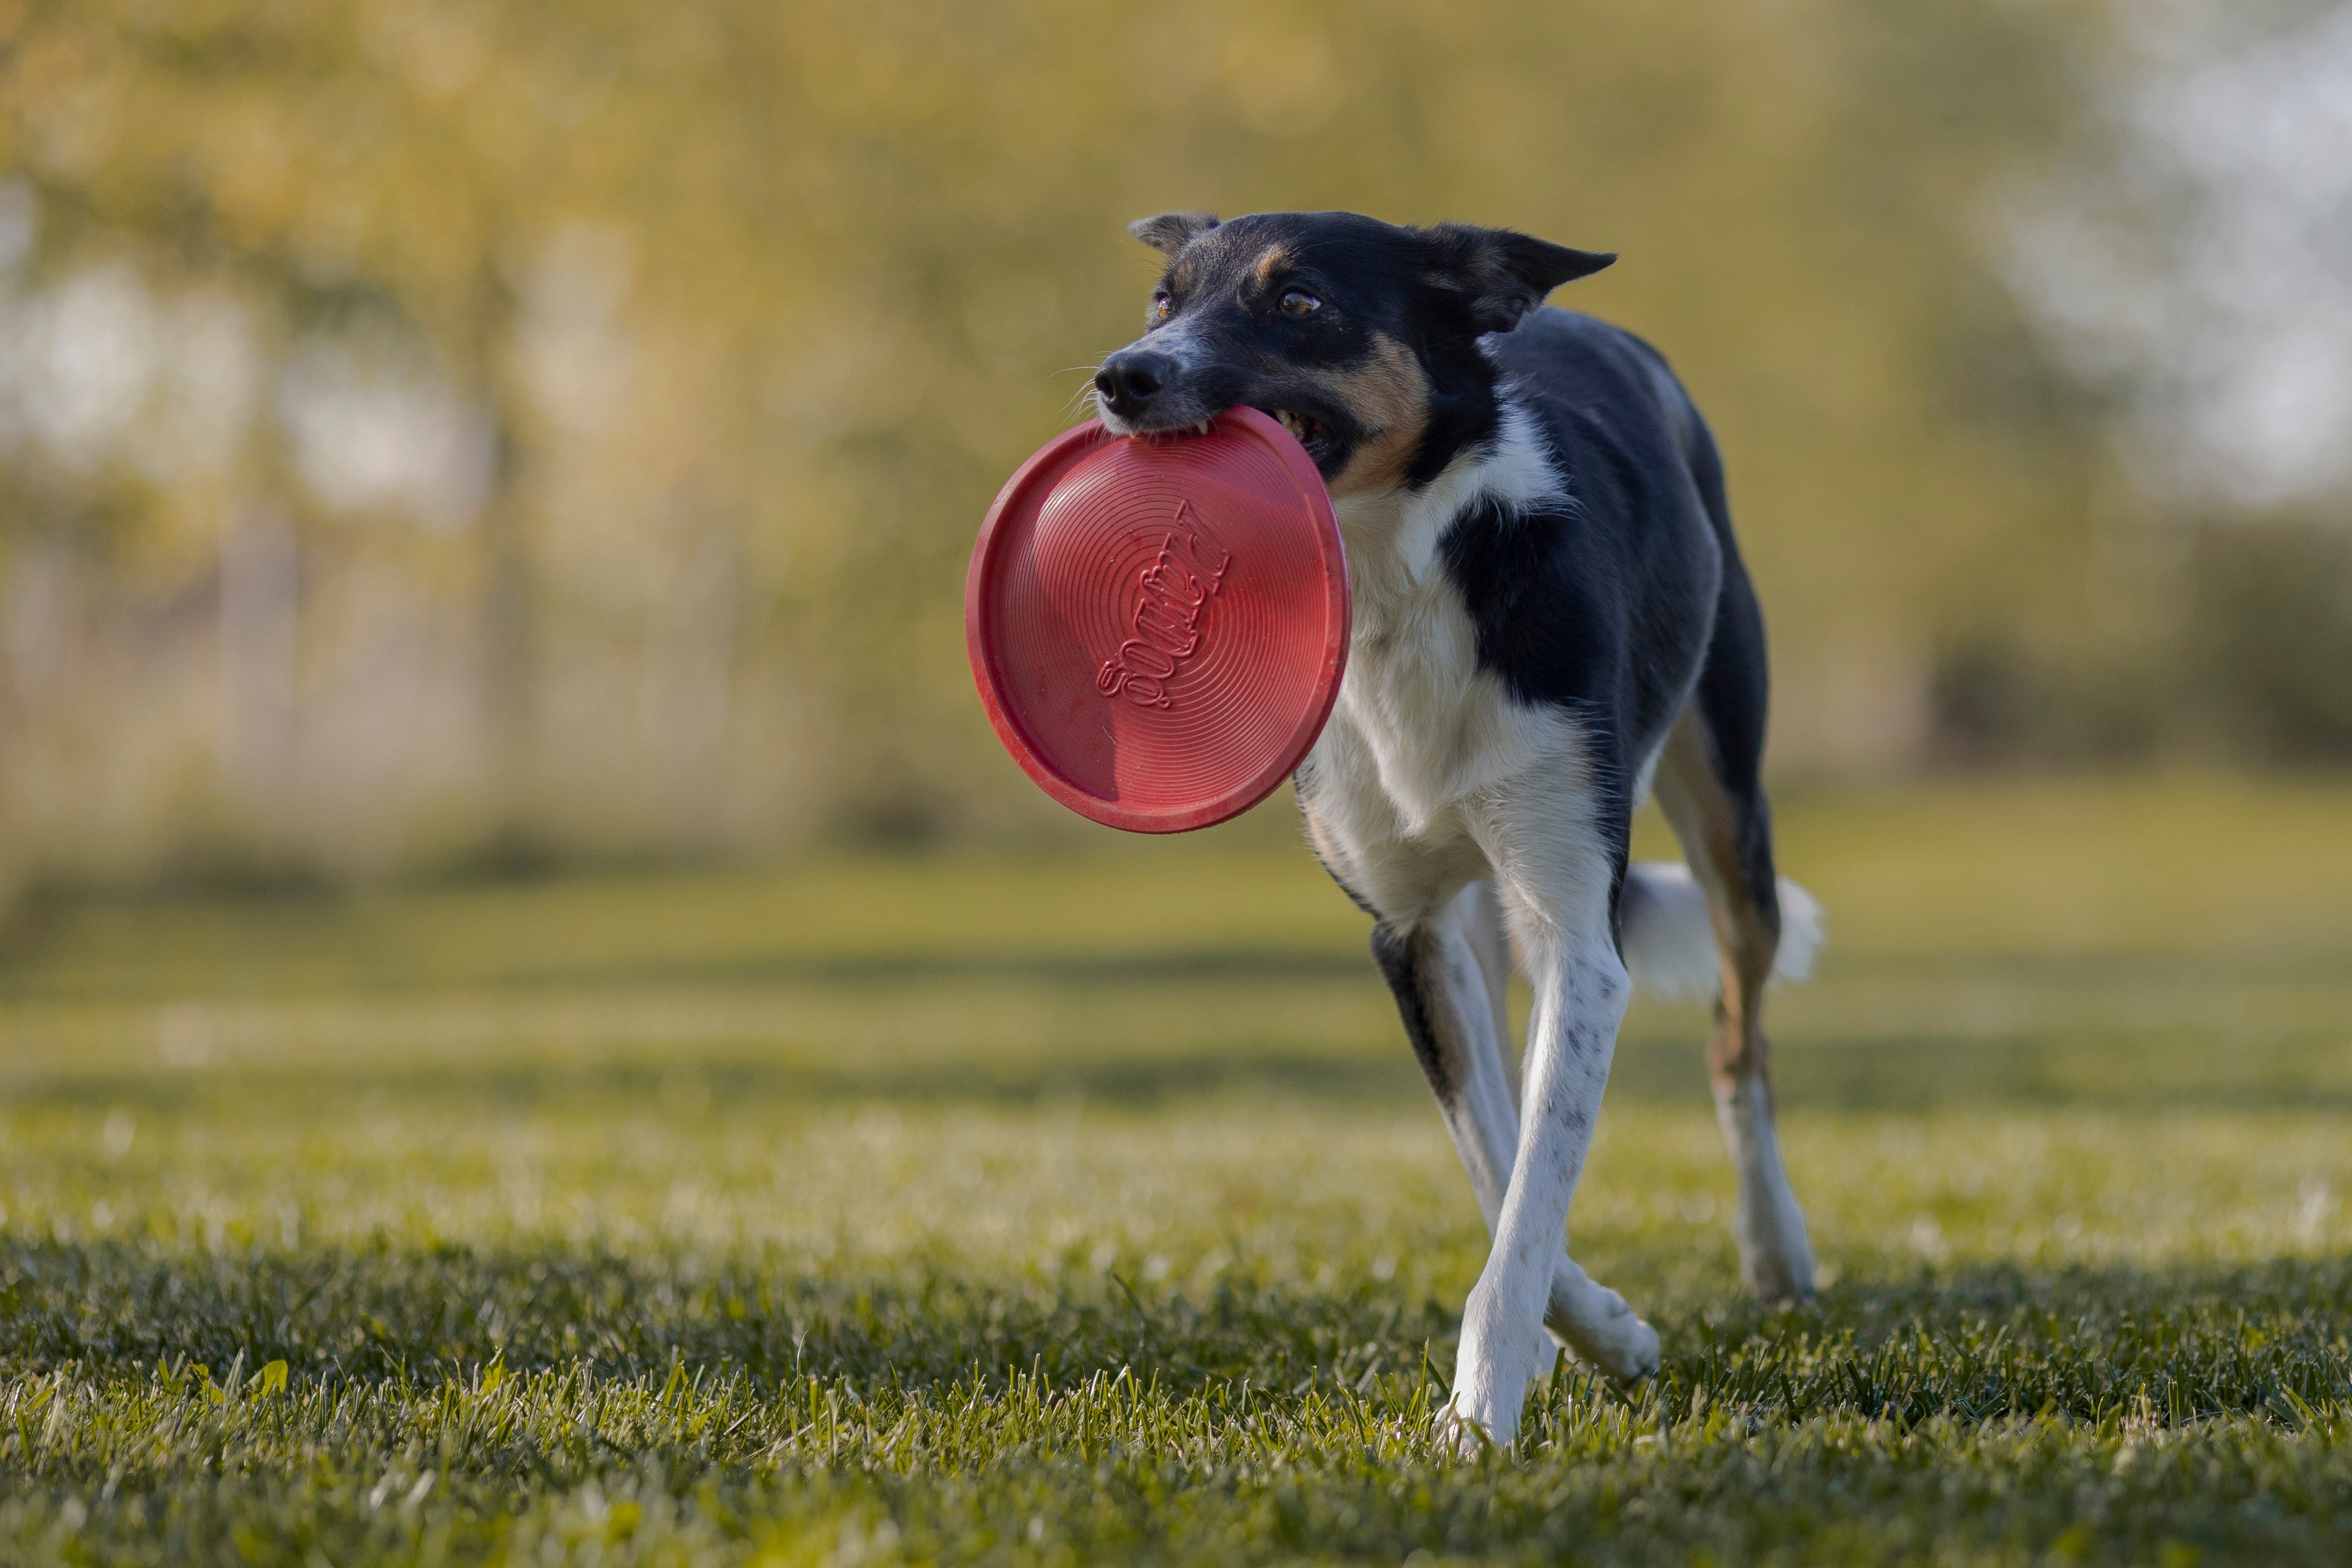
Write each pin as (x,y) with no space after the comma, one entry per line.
(1090,1209)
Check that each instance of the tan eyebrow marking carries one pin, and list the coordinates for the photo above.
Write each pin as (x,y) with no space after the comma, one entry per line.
(1276,258)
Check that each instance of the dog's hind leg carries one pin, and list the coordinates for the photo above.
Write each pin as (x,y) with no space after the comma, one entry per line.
(1709,786)
(1490,939)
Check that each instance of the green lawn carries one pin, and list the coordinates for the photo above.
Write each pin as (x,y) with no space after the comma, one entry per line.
(1081,1208)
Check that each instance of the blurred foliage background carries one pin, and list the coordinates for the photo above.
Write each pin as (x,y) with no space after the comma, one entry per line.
(495,433)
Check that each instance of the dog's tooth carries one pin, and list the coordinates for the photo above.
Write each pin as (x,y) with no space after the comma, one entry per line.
(1204,428)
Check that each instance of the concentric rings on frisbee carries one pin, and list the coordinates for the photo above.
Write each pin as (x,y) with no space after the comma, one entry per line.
(1158,624)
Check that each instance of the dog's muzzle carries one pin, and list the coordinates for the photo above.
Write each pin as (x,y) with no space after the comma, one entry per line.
(1131,379)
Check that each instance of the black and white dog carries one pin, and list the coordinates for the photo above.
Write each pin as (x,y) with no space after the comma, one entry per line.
(1551,619)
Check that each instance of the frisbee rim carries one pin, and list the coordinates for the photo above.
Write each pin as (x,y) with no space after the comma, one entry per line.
(1046,464)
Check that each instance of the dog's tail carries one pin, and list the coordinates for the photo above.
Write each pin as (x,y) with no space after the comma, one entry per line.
(1670,948)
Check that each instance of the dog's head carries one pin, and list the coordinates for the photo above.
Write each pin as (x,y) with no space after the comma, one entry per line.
(1360,336)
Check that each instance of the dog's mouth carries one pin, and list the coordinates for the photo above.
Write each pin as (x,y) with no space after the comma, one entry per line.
(1310,431)
(1323,442)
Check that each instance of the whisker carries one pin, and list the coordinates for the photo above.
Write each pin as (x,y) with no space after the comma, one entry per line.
(1086,402)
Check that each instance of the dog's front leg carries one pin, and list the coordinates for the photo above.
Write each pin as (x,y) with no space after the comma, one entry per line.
(1443,993)
(1438,980)
(1581,990)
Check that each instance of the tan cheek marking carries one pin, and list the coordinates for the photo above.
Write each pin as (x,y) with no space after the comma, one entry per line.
(1388,396)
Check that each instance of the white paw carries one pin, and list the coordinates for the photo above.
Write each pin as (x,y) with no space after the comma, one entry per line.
(1491,1386)
(1595,1323)
(1468,1427)
(1457,1433)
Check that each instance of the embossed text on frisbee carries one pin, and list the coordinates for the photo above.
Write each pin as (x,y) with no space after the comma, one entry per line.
(1171,591)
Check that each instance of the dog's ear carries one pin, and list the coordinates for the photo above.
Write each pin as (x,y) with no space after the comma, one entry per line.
(1501,273)
(1172,232)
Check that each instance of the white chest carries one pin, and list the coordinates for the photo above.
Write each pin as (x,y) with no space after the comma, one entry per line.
(1419,729)
(1416,719)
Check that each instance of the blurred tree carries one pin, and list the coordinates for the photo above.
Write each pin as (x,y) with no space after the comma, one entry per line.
(633,378)
(2181,254)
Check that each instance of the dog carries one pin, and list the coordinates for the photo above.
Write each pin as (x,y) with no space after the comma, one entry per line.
(1551,620)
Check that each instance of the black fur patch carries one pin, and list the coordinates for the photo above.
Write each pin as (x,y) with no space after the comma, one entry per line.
(1393,952)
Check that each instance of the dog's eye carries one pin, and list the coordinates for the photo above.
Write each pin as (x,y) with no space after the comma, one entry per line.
(1163,305)
(1299,302)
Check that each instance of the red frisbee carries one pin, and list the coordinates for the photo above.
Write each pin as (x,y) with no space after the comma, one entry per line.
(1158,624)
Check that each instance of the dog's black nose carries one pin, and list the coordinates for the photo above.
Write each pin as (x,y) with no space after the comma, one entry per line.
(1127,380)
